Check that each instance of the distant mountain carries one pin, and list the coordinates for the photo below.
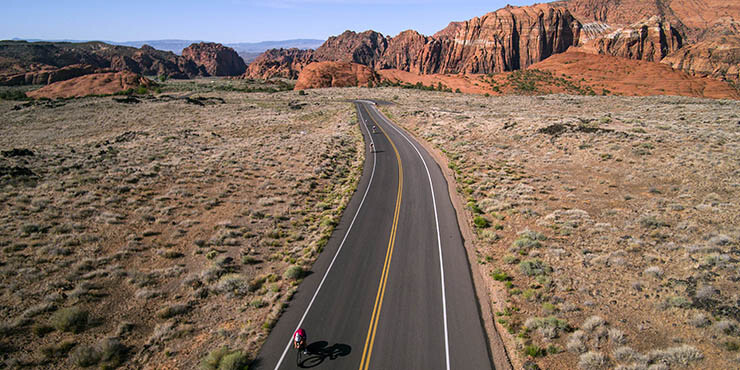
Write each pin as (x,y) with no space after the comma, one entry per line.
(247,50)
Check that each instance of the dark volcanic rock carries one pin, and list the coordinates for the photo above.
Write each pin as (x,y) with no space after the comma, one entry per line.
(218,60)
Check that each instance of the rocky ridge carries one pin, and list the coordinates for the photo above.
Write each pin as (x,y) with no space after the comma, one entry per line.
(283,63)
(218,60)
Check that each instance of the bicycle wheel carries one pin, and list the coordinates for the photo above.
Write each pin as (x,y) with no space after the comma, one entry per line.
(298,357)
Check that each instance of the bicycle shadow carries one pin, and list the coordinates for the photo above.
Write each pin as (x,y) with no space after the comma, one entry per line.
(318,352)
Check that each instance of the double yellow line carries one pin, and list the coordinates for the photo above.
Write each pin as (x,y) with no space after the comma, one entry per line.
(370,340)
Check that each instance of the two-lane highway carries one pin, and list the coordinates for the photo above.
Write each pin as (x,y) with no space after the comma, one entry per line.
(392,289)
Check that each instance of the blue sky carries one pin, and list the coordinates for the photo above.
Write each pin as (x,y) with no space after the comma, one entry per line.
(229,20)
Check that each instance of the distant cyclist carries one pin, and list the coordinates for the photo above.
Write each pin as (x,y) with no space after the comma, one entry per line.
(374,129)
(299,340)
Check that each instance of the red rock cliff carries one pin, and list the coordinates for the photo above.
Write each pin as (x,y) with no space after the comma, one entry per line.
(285,63)
(218,60)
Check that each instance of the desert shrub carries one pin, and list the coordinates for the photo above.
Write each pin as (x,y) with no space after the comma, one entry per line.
(534,350)
(86,355)
(726,327)
(682,355)
(71,319)
(224,359)
(650,222)
(548,327)
(234,285)
(534,267)
(700,320)
(616,336)
(625,354)
(481,222)
(527,240)
(294,273)
(41,329)
(236,360)
(58,349)
(592,360)
(576,342)
(499,275)
(592,323)
(510,259)
(112,351)
(173,310)
(654,271)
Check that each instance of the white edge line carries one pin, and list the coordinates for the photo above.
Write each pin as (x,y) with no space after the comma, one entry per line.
(372,174)
(439,241)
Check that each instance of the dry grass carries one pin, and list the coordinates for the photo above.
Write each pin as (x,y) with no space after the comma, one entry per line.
(175,228)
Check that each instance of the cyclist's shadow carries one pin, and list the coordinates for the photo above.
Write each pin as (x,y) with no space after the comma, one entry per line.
(319,351)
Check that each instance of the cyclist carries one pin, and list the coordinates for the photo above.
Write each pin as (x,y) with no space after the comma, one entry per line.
(299,340)
(374,129)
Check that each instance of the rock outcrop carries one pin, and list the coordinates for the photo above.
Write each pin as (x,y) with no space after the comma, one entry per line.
(48,75)
(651,40)
(218,60)
(284,63)
(362,48)
(406,52)
(92,84)
(717,55)
(507,39)
(335,74)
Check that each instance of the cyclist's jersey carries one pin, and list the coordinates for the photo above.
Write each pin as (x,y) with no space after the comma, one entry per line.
(299,333)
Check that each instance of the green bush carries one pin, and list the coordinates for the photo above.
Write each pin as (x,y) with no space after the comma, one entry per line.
(213,359)
(71,319)
(534,350)
(481,222)
(236,360)
(499,275)
(294,272)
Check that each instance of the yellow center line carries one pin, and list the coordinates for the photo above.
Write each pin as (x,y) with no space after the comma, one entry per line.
(370,340)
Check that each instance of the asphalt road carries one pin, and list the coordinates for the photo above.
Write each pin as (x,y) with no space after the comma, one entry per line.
(375,298)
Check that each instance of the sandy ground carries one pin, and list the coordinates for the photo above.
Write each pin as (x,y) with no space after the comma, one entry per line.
(150,234)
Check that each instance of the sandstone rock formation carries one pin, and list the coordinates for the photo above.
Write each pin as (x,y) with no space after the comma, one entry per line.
(47,75)
(717,55)
(92,84)
(335,74)
(507,39)
(218,60)
(690,17)
(650,40)
(284,63)
(363,48)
